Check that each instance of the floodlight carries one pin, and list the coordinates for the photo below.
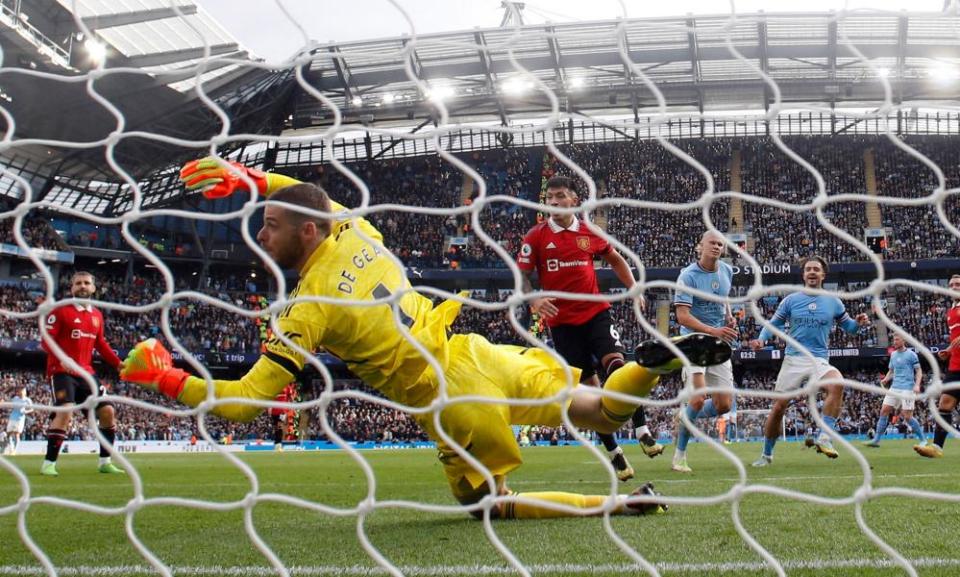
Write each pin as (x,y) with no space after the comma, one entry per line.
(97,51)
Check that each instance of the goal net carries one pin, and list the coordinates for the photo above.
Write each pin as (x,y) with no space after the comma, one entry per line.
(791,135)
(750,426)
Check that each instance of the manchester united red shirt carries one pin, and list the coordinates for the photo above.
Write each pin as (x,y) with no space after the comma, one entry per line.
(563,259)
(77,330)
(953,322)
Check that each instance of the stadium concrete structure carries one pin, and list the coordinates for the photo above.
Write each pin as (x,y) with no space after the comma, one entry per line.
(806,54)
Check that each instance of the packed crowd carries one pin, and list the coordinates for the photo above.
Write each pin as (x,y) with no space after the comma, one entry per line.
(642,170)
(353,420)
(918,231)
(361,421)
(421,240)
(36,231)
(160,242)
(202,327)
(646,171)
(198,326)
(782,236)
(494,325)
(921,313)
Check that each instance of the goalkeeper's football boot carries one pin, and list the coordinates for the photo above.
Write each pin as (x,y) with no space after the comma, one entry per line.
(622,467)
(111,469)
(763,461)
(49,469)
(929,451)
(825,446)
(650,446)
(701,349)
(646,507)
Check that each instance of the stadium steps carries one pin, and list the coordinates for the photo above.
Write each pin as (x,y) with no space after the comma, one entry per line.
(883,331)
(736,205)
(600,219)
(535,160)
(466,189)
(663,316)
(599,216)
(874,217)
(883,335)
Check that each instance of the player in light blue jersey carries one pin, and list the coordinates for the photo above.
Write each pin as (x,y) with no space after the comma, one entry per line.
(22,406)
(698,315)
(906,374)
(811,319)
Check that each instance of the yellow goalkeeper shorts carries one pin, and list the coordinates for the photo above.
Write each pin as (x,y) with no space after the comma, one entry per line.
(478,368)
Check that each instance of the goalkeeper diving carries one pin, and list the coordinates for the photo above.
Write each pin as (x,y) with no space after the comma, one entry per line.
(336,261)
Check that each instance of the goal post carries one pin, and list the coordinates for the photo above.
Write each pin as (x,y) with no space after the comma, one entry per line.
(750,424)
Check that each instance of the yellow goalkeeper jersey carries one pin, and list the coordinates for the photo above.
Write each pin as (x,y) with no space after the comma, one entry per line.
(350,272)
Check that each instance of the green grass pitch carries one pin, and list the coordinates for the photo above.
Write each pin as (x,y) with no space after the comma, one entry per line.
(810,539)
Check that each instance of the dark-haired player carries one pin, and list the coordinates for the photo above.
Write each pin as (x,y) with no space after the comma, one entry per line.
(561,250)
(811,319)
(78,331)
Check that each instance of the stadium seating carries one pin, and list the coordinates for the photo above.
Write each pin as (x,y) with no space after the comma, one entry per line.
(641,170)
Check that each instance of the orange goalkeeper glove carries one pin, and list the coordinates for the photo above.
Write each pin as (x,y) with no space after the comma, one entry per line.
(215,180)
(149,364)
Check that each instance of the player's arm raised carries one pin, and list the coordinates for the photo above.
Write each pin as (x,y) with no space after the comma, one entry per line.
(217,179)
(850,324)
(149,364)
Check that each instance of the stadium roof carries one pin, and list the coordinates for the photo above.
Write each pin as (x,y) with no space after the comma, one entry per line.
(47,53)
(687,58)
(373,82)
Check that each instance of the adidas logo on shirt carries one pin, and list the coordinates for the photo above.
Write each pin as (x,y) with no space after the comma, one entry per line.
(551,245)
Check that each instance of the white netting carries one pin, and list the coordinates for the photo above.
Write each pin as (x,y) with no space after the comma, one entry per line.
(726,36)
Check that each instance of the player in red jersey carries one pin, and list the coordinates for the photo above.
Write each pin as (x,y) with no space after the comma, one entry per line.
(78,330)
(561,250)
(281,419)
(948,399)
